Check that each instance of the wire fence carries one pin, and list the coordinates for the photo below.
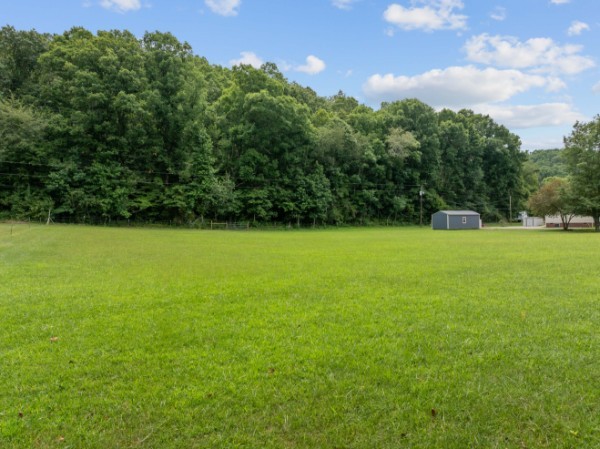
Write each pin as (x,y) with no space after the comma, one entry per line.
(230,225)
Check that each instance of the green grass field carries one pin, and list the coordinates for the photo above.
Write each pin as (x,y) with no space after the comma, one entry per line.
(349,338)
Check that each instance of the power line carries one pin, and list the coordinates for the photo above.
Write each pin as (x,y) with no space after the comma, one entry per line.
(38,164)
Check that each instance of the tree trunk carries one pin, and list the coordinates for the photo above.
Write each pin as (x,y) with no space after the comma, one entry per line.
(565,222)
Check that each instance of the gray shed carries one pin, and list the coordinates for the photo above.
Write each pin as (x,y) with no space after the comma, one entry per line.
(455,219)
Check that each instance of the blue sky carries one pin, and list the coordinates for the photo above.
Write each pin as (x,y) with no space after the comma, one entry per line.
(533,65)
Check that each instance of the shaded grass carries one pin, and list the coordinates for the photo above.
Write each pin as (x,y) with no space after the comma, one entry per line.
(353,338)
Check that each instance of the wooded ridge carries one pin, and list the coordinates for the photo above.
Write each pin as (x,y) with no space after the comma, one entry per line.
(107,126)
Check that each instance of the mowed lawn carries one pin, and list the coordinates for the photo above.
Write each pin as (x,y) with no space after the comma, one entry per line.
(341,338)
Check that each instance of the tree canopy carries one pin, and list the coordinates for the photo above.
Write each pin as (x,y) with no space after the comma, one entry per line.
(582,152)
(107,126)
(554,198)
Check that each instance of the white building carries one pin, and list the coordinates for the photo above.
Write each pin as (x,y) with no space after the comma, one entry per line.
(532,222)
(554,221)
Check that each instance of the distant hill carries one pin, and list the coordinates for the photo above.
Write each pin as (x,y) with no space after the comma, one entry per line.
(549,163)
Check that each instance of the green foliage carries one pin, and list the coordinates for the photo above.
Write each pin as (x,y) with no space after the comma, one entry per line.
(555,197)
(19,52)
(355,338)
(549,163)
(582,152)
(462,178)
(106,126)
(23,161)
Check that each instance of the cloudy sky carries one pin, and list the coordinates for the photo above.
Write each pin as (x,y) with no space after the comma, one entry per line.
(533,65)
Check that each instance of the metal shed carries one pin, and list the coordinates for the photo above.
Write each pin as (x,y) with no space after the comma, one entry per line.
(455,219)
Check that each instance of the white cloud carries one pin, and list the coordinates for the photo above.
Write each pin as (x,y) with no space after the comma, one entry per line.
(542,139)
(531,116)
(577,28)
(343,4)
(596,88)
(560,2)
(224,7)
(432,15)
(554,84)
(248,58)
(121,5)
(284,66)
(499,13)
(456,86)
(538,54)
(313,65)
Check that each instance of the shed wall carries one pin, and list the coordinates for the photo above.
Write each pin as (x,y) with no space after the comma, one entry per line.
(456,222)
(439,221)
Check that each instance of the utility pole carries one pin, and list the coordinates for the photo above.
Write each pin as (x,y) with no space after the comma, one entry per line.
(510,208)
(421,193)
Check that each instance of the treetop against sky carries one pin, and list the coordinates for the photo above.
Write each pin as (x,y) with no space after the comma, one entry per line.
(532,66)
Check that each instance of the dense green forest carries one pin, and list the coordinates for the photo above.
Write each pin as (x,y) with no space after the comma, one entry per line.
(108,127)
(549,163)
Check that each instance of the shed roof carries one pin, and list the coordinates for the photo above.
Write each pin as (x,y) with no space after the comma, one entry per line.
(459,212)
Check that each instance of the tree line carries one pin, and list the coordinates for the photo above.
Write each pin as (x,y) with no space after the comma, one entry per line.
(108,127)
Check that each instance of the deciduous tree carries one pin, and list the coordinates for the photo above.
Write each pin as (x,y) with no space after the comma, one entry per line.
(554,198)
(582,152)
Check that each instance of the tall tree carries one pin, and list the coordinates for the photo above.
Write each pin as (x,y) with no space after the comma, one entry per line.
(166,99)
(582,152)
(421,170)
(94,86)
(338,151)
(23,161)
(554,197)
(462,181)
(502,164)
(19,53)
